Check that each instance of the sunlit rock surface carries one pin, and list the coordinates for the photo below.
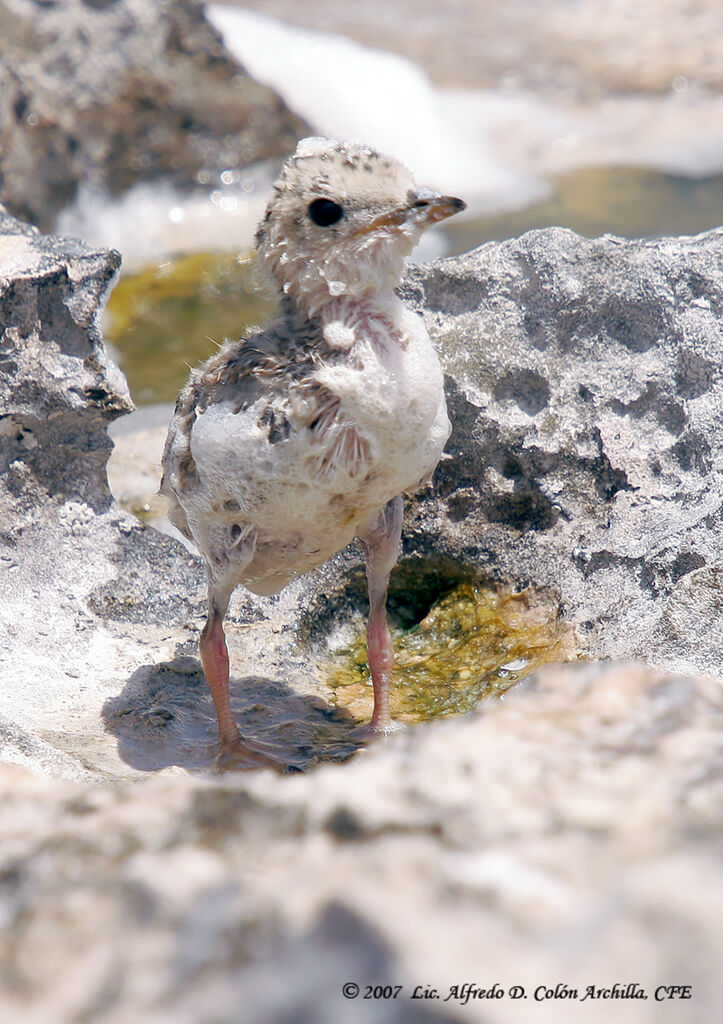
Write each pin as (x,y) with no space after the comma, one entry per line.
(569,833)
(99,612)
(65,545)
(115,93)
(585,394)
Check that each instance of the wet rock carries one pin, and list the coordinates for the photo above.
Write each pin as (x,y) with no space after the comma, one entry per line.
(116,93)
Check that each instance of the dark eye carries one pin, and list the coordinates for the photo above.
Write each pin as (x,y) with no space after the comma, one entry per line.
(325,212)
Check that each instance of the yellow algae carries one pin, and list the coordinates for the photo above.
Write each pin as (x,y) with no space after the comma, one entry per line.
(475,642)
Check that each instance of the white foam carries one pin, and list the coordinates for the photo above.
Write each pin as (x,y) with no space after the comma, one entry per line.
(154,220)
(374,97)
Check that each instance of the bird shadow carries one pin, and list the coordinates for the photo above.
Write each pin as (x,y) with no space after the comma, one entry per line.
(164,717)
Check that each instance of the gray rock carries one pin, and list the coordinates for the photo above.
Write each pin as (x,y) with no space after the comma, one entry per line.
(117,92)
(568,835)
(52,290)
(584,385)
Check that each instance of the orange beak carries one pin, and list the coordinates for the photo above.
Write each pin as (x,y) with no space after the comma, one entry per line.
(424,209)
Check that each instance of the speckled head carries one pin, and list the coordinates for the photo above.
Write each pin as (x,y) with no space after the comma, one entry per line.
(341,220)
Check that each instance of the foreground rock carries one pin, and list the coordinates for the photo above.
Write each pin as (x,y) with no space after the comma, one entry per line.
(567,836)
(166,100)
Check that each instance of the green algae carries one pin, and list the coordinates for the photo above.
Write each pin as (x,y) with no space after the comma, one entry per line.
(174,313)
(475,642)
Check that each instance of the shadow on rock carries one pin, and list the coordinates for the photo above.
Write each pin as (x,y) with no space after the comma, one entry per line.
(342,969)
(165,716)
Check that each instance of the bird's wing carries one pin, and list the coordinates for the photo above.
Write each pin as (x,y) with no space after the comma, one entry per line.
(278,365)
(238,373)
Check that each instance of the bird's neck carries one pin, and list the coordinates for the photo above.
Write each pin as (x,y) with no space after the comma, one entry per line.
(345,322)
(369,305)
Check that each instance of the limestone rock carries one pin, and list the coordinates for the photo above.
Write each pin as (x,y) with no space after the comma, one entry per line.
(114,93)
(568,835)
(586,455)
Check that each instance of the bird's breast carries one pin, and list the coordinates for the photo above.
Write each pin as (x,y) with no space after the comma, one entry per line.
(391,389)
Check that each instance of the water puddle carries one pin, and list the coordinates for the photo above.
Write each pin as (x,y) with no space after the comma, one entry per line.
(626,201)
(165,717)
(174,314)
(475,642)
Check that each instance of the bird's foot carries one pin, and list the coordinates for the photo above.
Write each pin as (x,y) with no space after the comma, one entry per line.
(376,730)
(237,755)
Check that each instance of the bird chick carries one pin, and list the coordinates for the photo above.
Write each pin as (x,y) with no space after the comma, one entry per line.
(288,445)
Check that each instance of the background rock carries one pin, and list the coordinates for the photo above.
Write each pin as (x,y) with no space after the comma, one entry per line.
(582,50)
(586,454)
(114,93)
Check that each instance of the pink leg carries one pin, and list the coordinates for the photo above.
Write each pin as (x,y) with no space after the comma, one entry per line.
(381,546)
(235,752)
(214,657)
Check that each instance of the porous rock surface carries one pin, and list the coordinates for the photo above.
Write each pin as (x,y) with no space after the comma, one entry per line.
(116,92)
(567,835)
(585,390)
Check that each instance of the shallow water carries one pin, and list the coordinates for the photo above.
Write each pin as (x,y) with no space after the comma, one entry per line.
(475,642)
(175,313)
(626,201)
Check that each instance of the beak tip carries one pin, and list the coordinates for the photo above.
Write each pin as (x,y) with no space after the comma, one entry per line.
(446,206)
